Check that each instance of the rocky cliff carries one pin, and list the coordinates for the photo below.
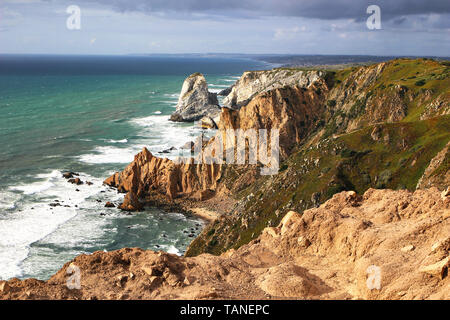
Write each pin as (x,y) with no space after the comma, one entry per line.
(295,111)
(195,100)
(148,174)
(358,210)
(320,168)
(378,126)
(253,83)
(274,109)
(382,245)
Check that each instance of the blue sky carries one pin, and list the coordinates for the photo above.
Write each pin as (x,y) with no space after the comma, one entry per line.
(410,27)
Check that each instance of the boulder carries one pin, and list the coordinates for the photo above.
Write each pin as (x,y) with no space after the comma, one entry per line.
(446,194)
(195,101)
(202,195)
(168,150)
(439,269)
(69,175)
(408,248)
(376,133)
(76,181)
(109,205)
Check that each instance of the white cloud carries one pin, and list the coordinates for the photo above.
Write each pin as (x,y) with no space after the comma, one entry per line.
(9,18)
(288,33)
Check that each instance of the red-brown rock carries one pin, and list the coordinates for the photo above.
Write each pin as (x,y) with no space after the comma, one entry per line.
(131,203)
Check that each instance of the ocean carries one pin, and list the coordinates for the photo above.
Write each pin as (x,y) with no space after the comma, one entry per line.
(90,115)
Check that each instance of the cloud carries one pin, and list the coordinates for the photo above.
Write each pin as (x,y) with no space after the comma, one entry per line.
(319,9)
(20,1)
(9,18)
(248,26)
(288,33)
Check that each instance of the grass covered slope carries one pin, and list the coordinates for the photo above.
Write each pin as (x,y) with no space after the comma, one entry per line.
(382,127)
(399,90)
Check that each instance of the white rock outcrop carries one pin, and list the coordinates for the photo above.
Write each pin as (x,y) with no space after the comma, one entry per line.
(195,101)
(255,82)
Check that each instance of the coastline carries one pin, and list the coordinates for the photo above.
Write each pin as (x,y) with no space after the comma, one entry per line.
(208,210)
(273,220)
(104,134)
(205,214)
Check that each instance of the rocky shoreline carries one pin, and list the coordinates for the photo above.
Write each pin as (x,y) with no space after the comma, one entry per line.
(363,181)
(313,110)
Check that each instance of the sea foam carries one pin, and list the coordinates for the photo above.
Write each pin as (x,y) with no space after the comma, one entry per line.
(36,220)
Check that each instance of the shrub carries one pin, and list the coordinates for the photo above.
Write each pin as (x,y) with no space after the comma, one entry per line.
(420,83)
(331,103)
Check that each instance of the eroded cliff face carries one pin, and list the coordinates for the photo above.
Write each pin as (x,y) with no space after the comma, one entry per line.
(376,129)
(309,108)
(253,83)
(437,173)
(295,111)
(382,245)
(148,174)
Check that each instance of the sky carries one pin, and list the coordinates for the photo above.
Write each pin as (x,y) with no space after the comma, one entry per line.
(408,27)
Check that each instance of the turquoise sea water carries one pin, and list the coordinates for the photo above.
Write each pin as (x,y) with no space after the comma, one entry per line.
(90,115)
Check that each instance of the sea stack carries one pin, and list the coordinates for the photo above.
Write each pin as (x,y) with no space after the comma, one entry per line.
(195,101)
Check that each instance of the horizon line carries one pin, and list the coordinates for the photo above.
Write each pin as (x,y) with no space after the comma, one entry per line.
(222,53)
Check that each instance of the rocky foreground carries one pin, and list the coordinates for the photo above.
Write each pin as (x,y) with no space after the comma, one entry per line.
(330,252)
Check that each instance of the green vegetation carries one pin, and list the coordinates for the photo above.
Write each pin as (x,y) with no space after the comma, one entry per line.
(351,162)
(420,83)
